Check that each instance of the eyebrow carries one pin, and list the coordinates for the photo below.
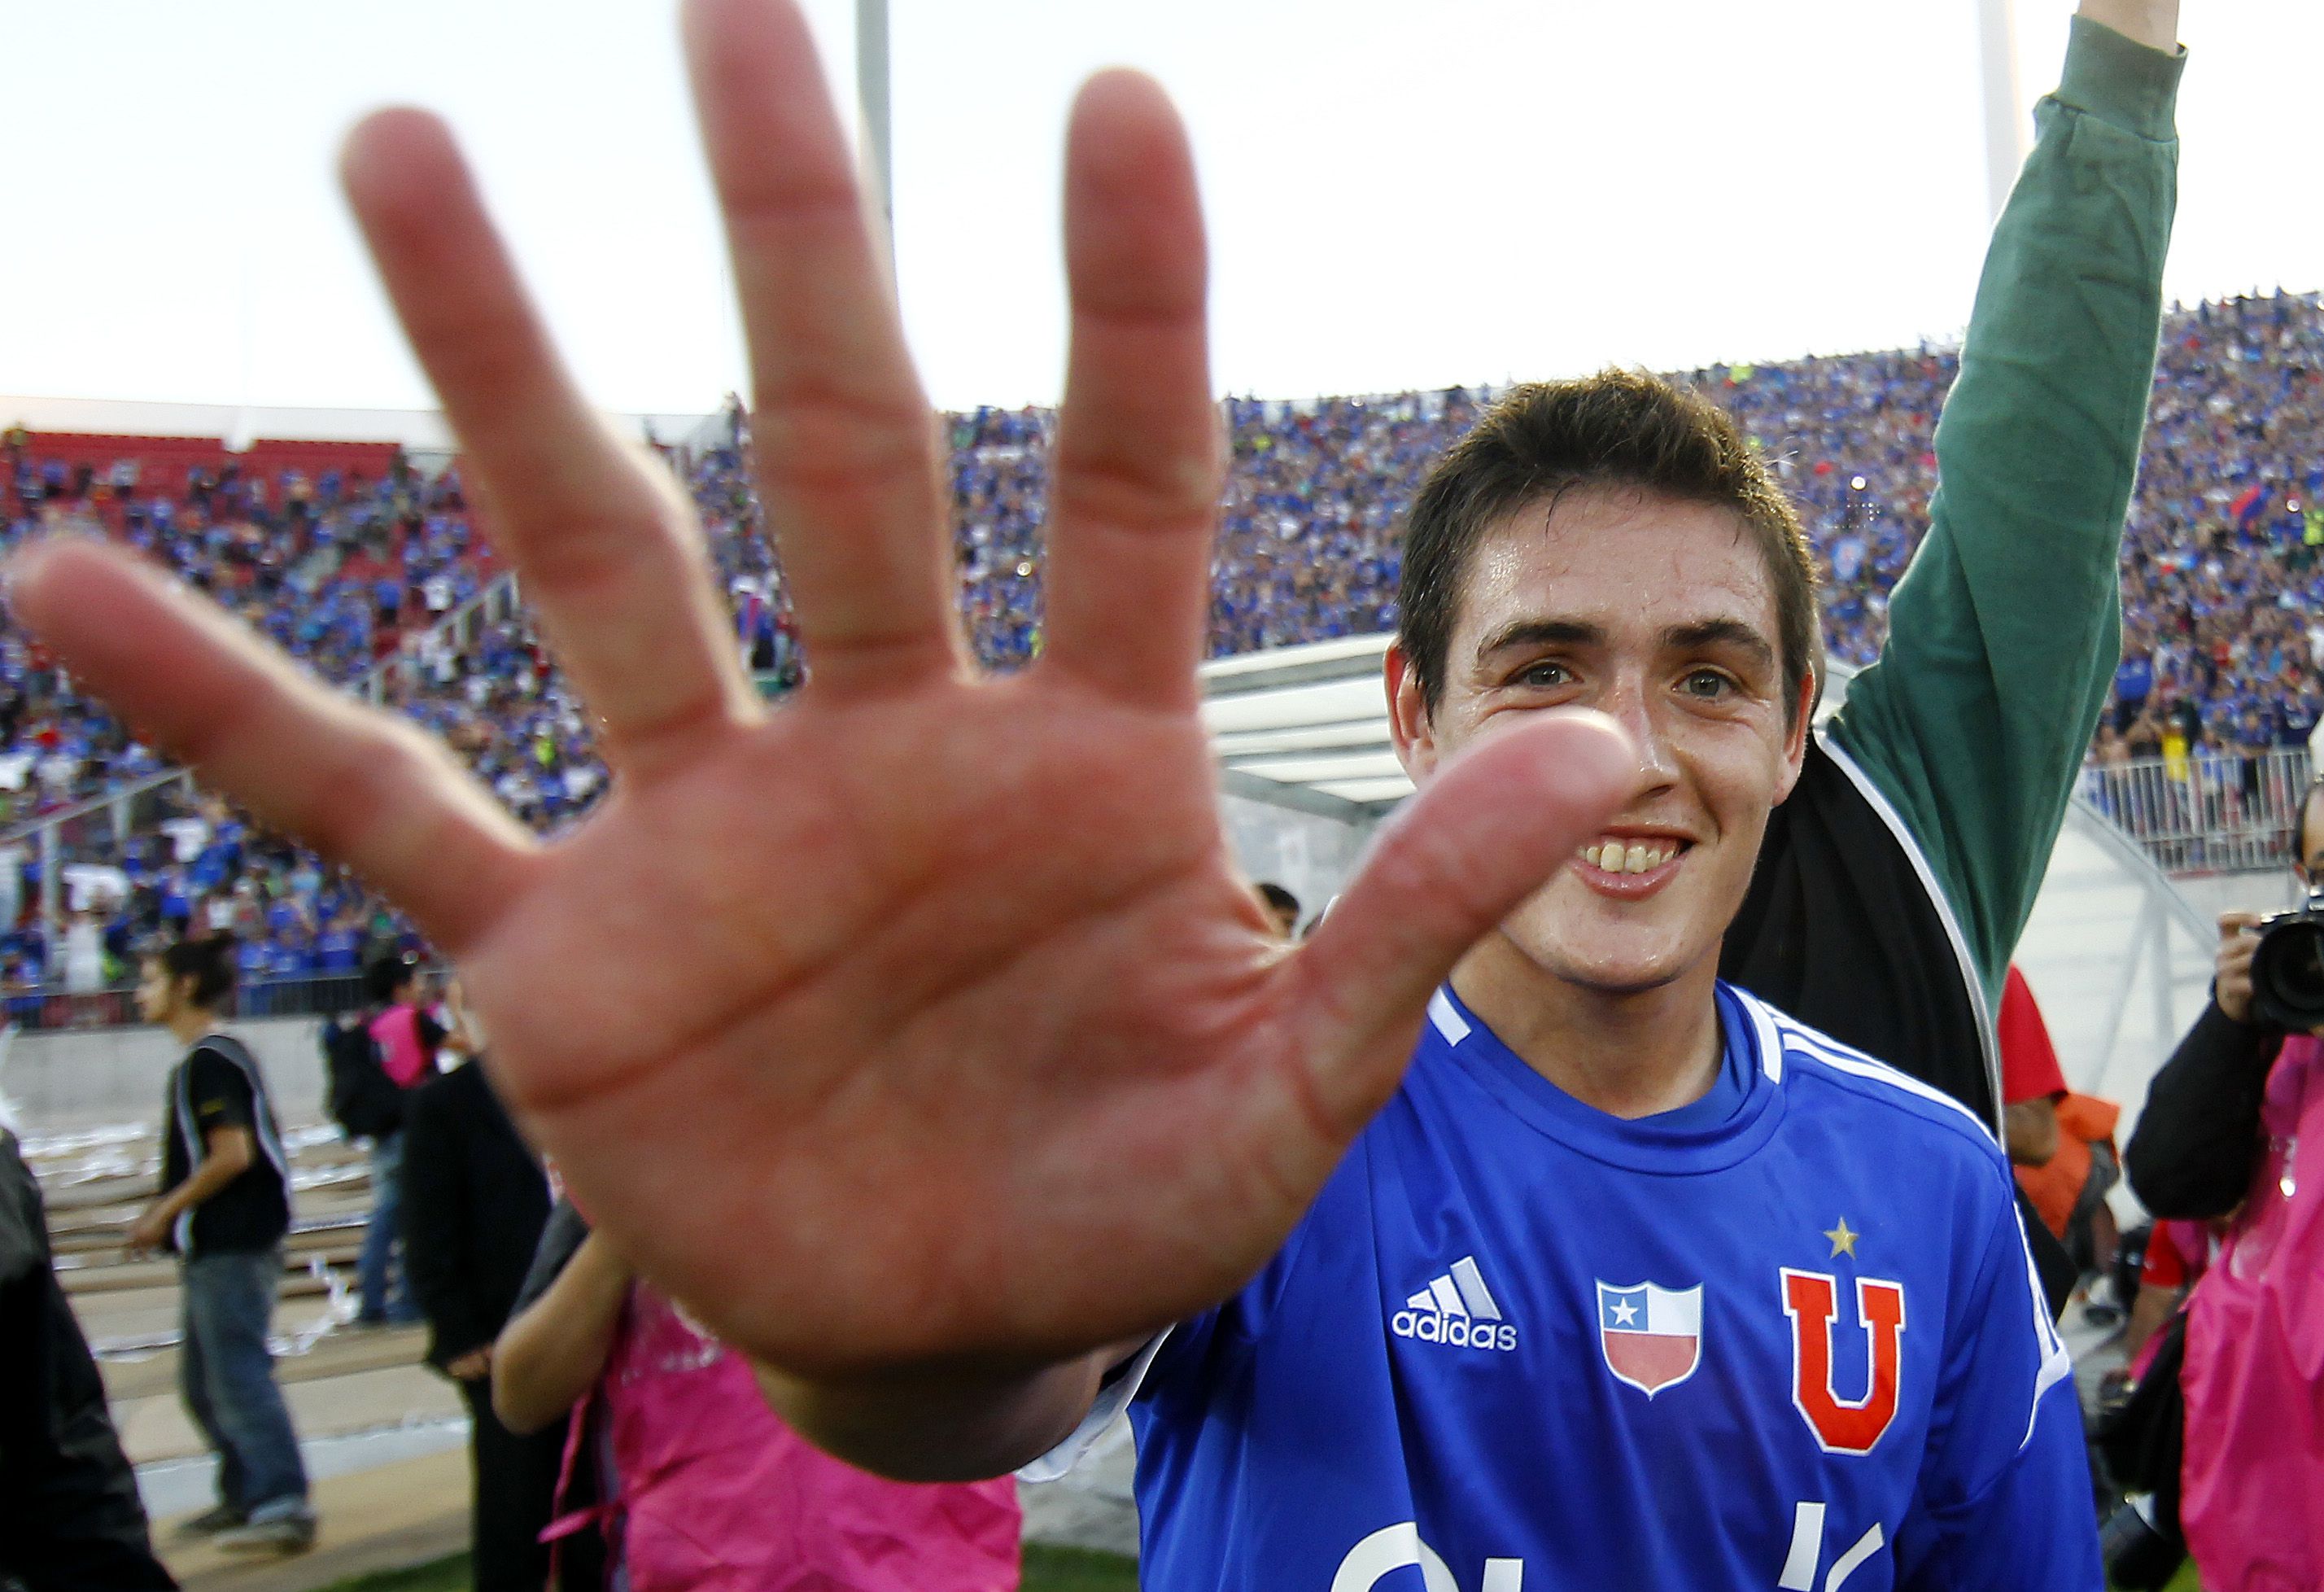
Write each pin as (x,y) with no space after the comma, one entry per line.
(1541,632)
(1575,632)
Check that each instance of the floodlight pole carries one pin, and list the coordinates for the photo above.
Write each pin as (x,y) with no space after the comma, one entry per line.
(871,100)
(2005,121)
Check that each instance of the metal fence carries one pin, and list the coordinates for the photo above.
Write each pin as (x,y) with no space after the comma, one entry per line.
(2211,812)
(47,1009)
(459,630)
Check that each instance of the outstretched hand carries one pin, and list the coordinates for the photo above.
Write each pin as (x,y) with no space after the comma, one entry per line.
(924,1016)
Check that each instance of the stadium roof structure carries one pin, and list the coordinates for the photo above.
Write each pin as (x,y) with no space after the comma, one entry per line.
(422,430)
(1306,728)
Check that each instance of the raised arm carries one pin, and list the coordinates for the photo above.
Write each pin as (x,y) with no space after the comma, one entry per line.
(2198,1137)
(2004,632)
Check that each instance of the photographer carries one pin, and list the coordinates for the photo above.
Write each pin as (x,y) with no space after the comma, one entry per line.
(2222,1137)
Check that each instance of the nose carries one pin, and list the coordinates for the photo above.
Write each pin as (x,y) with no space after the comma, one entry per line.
(1626,703)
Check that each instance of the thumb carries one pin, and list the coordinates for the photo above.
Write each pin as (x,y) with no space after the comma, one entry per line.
(1485,833)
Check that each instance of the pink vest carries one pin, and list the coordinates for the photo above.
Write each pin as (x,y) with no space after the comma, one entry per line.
(2253,1480)
(716,1495)
(396,1031)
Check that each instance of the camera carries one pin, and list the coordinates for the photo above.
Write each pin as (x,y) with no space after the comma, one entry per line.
(2288,967)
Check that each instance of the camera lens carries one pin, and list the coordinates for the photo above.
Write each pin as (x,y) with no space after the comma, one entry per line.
(2288,973)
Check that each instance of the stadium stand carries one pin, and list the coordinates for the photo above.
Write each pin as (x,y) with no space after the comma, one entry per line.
(350,558)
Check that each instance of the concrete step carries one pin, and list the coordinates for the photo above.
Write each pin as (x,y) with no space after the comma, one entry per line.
(98,1274)
(154,1426)
(340,1353)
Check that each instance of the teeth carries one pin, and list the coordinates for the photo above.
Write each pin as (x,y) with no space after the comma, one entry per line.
(1634,857)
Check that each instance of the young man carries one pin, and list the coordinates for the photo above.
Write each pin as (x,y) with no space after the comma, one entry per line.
(224,1210)
(1763,1302)
(989,1114)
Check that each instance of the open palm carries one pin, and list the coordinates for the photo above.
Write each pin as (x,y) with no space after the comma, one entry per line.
(925,1015)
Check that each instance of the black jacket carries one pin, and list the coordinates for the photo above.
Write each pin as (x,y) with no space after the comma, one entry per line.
(474,1199)
(1846,928)
(70,1516)
(2198,1141)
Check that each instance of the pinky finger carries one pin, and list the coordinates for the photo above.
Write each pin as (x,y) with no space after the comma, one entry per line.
(363,788)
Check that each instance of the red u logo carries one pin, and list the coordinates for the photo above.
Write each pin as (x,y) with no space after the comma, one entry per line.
(1843,1426)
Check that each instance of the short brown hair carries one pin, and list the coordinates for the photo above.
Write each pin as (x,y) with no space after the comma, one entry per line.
(1615,429)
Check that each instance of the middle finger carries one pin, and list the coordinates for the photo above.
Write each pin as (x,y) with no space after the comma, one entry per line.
(846,444)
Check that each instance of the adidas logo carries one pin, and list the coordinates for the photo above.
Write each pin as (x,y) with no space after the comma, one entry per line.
(1456,1308)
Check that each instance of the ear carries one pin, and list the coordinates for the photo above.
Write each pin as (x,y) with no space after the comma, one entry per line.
(1795,738)
(1408,723)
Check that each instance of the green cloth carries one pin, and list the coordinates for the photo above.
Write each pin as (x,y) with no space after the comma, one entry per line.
(2004,632)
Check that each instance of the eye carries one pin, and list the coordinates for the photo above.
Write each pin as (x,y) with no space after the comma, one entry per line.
(1544,675)
(1708,684)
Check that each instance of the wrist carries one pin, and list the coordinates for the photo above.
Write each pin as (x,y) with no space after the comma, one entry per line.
(2152,23)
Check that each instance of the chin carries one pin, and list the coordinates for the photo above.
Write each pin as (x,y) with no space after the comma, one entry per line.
(1630,971)
(1622,981)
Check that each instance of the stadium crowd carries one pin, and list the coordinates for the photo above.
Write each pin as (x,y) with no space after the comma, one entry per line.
(2223,606)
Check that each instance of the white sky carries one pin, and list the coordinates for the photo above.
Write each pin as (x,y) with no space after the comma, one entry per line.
(1400,194)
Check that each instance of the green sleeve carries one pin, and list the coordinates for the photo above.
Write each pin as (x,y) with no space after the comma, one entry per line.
(2004,632)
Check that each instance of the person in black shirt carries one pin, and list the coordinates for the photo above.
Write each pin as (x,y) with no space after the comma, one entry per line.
(474,1201)
(224,1210)
(70,1514)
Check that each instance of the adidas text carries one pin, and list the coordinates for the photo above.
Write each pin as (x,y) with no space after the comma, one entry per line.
(1430,1327)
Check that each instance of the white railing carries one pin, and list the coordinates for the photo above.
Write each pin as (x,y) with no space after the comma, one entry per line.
(461,626)
(2212,812)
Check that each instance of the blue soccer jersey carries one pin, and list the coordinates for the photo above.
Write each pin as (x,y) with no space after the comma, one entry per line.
(1789,1338)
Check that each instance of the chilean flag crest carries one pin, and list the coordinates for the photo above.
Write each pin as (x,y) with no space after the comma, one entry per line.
(1651,1336)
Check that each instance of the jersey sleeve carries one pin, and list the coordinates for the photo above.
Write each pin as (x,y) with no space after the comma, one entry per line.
(2005,631)
(220,1093)
(2004,1500)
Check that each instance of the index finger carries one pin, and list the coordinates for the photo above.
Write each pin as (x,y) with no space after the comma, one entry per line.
(2234,923)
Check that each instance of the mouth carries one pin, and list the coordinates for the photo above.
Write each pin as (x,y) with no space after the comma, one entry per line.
(1630,867)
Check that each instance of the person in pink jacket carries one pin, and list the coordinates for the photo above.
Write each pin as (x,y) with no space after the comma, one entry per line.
(2234,1127)
(702,1486)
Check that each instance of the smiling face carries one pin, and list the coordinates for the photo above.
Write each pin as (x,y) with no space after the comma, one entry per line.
(1661,614)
